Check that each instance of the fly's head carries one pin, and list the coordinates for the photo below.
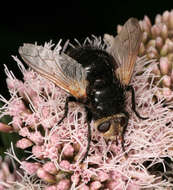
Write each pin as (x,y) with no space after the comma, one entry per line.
(112,126)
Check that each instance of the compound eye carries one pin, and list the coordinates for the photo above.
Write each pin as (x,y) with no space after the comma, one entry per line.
(104,127)
(123,121)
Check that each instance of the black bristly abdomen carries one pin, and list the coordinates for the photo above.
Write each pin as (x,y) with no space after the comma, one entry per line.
(105,94)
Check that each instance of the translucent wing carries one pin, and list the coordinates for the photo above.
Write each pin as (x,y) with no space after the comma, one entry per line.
(124,48)
(61,69)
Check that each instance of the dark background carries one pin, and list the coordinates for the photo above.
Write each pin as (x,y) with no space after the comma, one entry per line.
(27,22)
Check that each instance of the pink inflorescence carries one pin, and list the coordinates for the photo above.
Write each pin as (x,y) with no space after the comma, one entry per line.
(36,106)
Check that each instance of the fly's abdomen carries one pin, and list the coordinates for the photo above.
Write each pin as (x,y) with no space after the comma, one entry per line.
(107,100)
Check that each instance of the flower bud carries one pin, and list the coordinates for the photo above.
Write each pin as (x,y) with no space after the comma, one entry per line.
(68,151)
(50,167)
(156,70)
(10,83)
(159,42)
(16,123)
(75,179)
(166,91)
(30,167)
(37,151)
(170,20)
(47,177)
(158,19)
(119,28)
(170,34)
(51,187)
(171,76)
(151,43)
(147,20)
(24,143)
(152,52)
(102,176)
(144,37)
(141,25)
(151,55)
(146,26)
(65,164)
(165,17)
(164,31)
(170,44)
(95,185)
(5,128)
(155,31)
(166,81)
(170,57)
(141,50)
(64,184)
(112,184)
(164,65)
(164,50)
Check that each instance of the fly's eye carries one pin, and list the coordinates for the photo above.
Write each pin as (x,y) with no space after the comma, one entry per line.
(123,121)
(104,127)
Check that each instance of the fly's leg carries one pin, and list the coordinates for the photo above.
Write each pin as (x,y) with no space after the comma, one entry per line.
(68,99)
(88,119)
(131,89)
(124,124)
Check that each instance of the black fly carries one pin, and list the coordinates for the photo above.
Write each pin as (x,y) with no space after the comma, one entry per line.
(96,78)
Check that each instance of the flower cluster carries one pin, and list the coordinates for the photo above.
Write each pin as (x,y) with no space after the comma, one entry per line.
(157,43)
(55,151)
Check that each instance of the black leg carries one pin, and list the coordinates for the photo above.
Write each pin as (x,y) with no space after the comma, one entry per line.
(68,99)
(125,124)
(130,88)
(88,119)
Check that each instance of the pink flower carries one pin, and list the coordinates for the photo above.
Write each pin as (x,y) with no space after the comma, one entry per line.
(64,184)
(68,150)
(38,151)
(95,185)
(65,164)
(75,178)
(47,177)
(24,143)
(50,167)
(102,176)
(31,168)
(36,137)
(36,106)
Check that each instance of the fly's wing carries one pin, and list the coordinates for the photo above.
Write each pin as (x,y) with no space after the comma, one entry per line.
(61,69)
(124,48)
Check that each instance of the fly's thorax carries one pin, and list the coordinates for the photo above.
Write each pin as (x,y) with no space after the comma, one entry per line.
(111,126)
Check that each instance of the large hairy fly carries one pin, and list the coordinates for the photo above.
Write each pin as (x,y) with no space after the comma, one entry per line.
(96,78)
